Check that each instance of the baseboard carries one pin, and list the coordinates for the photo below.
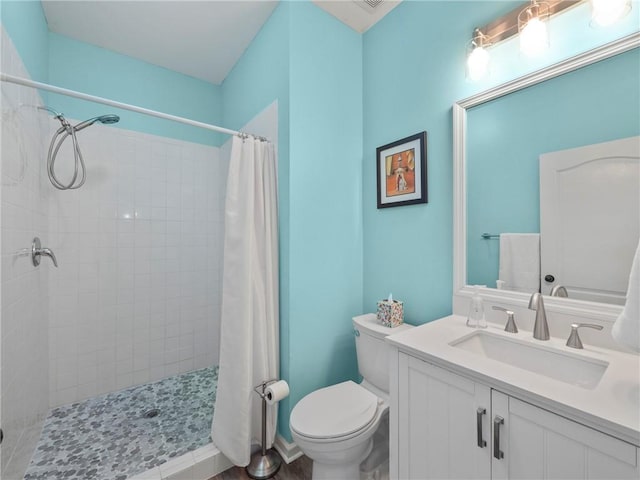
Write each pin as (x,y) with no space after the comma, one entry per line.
(287,450)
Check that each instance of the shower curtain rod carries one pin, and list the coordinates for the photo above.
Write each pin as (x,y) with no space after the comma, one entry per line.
(125,106)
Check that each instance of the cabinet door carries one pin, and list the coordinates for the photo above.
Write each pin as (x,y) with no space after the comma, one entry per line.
(537,444)
(438,427)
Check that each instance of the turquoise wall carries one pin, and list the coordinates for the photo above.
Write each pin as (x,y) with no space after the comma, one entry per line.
(25,23)
(414,72)
(325,199)
(97,71)
(312,64)
(595,104)
(260,77)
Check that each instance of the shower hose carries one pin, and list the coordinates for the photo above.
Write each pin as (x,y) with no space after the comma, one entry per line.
(67,130)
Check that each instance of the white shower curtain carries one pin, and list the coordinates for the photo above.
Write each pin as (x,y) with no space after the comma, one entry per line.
(249,323)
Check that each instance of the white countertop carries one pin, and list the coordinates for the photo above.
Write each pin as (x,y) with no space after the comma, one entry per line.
(612,406)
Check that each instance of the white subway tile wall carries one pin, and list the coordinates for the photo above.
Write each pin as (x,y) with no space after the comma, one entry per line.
(24,290)
(137,294)
(136,297)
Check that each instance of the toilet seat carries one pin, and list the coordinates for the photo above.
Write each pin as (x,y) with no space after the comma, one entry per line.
(334,412)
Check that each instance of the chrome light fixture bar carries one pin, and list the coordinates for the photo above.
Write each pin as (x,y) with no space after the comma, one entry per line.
(507,26)
(531,21)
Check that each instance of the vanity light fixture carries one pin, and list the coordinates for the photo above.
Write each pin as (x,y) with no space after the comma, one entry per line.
(607,12)
(533,26)
(478,57)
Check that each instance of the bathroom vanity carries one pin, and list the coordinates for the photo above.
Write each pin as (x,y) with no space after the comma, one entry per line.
(484,403)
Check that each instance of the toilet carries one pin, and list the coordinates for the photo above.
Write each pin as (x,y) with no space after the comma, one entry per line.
(334,426)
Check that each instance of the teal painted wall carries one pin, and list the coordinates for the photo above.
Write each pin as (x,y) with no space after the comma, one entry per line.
(260,77)
(595,104)
(414,72)
(97,71)
(25,23)
(312,64)
(326,199)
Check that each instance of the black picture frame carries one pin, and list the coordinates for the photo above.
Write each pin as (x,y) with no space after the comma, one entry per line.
(401,169)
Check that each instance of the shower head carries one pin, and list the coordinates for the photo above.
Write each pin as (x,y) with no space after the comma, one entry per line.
(106,119)
(80,171)
(109,119)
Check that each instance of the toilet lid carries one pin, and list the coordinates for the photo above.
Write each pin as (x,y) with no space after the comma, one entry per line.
(334,411)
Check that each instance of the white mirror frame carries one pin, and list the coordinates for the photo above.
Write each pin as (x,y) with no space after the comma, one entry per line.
(601,311)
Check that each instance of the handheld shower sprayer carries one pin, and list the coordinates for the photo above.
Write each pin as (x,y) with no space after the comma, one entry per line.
(104,119)
(68,130)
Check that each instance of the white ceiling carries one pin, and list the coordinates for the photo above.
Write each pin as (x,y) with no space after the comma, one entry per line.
(203,39)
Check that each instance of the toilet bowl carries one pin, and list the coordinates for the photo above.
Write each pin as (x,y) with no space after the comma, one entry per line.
(335,425)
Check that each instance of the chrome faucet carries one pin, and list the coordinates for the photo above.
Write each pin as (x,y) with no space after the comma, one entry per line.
(559,291)
(541,327)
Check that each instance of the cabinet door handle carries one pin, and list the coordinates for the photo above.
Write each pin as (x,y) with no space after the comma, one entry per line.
(497,421)
(479,413)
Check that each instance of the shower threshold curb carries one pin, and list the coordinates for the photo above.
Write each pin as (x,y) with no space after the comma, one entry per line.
(200,464)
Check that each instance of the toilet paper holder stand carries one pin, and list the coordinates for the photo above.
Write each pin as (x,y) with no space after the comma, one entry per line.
(264,463)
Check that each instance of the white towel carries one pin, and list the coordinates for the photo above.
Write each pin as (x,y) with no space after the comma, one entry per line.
(520,262)
(626,330)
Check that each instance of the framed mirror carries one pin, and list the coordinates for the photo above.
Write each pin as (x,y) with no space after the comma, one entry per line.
(499,136)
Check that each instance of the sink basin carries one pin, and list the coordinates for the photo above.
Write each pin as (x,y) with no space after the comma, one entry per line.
(543,360)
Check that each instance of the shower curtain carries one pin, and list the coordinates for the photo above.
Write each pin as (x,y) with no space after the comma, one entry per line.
(250,310)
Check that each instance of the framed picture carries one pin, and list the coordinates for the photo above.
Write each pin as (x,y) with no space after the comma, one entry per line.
(402,172)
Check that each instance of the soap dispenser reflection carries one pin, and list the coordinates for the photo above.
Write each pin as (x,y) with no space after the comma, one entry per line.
(476,318)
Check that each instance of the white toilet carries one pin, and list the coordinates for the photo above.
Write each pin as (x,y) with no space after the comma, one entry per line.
(334,426)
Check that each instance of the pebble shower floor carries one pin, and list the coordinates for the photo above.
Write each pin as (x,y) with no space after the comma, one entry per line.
(121,434)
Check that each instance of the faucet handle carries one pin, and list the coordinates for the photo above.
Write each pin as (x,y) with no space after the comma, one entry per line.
(511,326)
(574,339)
(37,251)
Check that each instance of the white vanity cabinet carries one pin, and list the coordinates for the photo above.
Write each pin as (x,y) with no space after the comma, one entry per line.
(437,423)
(448,426)
(539,444)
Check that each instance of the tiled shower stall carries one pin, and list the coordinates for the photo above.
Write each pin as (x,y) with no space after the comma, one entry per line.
(136,295)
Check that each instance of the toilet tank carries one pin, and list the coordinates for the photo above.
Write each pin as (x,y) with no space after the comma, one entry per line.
(373,352)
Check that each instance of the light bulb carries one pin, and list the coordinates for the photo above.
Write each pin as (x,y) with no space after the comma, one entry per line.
(478,63)
(534,37)
(608,12)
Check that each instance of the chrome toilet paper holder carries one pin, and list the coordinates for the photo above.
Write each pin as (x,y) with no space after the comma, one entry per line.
(264,463)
